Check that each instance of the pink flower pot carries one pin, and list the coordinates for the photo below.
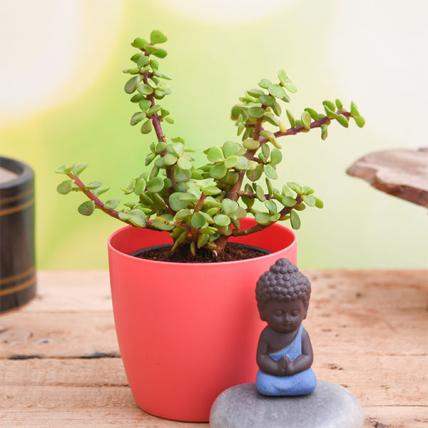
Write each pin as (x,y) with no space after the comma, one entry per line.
(188,331)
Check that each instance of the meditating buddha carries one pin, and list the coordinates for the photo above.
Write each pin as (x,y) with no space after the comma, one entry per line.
(284,353)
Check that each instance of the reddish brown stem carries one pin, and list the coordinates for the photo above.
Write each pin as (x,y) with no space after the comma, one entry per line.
(315,124)
(98,202)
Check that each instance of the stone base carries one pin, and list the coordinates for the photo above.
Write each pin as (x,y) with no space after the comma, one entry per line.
(329,406)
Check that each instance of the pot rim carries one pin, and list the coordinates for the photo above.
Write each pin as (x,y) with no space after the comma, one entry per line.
(207,265)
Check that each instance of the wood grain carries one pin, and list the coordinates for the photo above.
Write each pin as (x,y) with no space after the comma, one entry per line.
(60,365)
(402,173)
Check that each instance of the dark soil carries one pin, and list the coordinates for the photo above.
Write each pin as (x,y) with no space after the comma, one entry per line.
(232,252)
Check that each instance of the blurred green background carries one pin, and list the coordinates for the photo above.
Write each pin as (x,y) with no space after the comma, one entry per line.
(62,101)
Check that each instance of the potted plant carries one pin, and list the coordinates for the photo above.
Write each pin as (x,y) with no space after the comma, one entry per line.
(197,238)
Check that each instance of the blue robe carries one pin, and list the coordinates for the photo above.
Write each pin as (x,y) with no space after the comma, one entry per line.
(301,383)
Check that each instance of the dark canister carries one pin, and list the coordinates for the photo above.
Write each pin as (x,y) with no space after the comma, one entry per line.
(17,255)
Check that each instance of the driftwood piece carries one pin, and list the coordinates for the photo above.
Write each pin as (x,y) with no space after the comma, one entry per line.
(402,173)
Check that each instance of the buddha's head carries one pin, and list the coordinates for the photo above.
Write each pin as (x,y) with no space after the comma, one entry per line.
(282,296)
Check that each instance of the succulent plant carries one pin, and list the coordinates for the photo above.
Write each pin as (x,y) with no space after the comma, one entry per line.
(201,206)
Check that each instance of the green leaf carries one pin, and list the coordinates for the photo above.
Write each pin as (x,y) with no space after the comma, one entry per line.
(288,201)
(256,112)
(65,187)
(260,193)
(218,171)
(93,185)
(140,186)
(266,151)
(160,53)
(87,208)
(184,163)
(295,220)
(354,109)
(265,83)
(339,104)
(251,144)
(324,132)
(309,200)
(149,158)
(142,60)
(313,113)
(231,161)
(271,206)
(137,117)
(222,220)
(230,148)
(144,104)
(162,222)
(138,220)
(270,172)
(176,201)
(290,86)
(242,163)
(78,169)
(155,184)
(139,43)
(169,159)
(181,214)
(214,154)
(146,127)
(229,206)
(111,204)
(267,100)
(360,121)
(342,120)
(203,239)
(255,174)
(295,187)
(291,118)
(277,91)
(275,157)
(198,220)
(282,76)
(276,108)
(330,105)
(306,120)
(210,190)
(153,109)
(319,203)
(131,84)
(145,89)
(263,219)
(157,36)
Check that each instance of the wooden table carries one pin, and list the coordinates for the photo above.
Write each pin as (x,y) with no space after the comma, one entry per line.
(60,367)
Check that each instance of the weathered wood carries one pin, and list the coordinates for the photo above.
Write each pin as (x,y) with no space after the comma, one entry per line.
(402,173)
(368,329)
(378,381)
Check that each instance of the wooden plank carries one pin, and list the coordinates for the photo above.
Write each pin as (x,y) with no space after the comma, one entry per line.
(396,417)
(72,291)
(402,173)
(71,335)
(90,290)
(378,381)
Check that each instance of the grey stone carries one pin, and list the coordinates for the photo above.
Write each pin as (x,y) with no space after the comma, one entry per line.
(329,406)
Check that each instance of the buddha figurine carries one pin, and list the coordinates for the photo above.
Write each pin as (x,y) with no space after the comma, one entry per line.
(284,353)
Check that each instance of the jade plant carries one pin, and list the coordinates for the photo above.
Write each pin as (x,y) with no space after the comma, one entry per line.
(201,206)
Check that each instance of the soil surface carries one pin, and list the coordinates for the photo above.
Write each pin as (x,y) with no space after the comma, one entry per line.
(232,252)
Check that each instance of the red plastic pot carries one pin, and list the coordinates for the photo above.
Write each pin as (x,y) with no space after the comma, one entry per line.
(188,331)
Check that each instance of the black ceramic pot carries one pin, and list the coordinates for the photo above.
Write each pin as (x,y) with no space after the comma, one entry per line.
(17,255)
